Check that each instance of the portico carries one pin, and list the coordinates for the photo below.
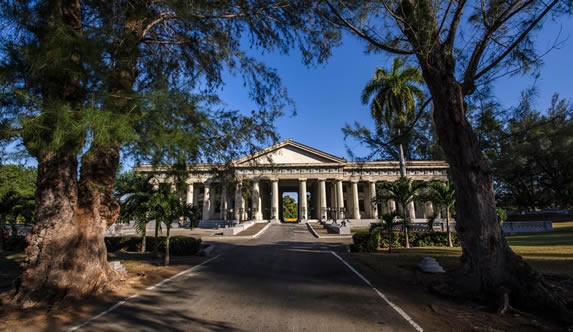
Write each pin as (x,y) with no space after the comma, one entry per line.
(328,187)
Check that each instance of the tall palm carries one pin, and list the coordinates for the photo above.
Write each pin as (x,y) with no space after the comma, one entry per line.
(403,191)
(392,96)
(443,196)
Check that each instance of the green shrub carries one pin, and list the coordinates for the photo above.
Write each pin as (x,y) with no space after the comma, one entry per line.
(364,242)
(15,243)
(179,245)
(182,246)
(113,244)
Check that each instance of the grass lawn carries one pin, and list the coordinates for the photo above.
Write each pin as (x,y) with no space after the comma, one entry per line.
(551,252)
(397,275)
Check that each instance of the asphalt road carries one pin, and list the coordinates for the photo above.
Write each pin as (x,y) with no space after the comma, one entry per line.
(285,280)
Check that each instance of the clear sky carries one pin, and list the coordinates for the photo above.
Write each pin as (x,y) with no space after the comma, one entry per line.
(328,96)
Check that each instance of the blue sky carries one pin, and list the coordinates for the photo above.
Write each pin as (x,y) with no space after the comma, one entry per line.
(328,96)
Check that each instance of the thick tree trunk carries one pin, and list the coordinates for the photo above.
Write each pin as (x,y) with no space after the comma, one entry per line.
(66,255)
(489,266)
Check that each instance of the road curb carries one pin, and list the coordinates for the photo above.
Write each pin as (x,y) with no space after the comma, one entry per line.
(311,229)
(240,237)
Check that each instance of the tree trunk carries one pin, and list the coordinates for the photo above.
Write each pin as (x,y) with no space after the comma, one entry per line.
(405,226)
(166,257)
(448,231)
(156,242)
(143,240)
(66,254)
(401,157)
(488,263)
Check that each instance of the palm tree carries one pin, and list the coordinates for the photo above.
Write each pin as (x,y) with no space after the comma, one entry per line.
(392,97)
(135,192)
(403,191)
(167,206)
(443,196)
(388,222)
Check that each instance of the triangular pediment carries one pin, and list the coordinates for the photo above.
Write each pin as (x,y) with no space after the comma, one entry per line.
(289,152)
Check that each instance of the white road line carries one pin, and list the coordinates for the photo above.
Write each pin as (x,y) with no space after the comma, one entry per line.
(390,303)
(122,302)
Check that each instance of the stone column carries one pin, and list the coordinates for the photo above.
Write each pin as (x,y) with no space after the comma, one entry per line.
(391,205)
(206,201)
(239,204)
(189,197)
(303,206)
(340,198)
(411,211)
(256,204)
(224,204)
(355,206)
(275,200)
(429,211)
(322,205)
(373,203)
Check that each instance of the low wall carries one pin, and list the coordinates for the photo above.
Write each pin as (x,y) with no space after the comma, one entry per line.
(229,231)
(513,227)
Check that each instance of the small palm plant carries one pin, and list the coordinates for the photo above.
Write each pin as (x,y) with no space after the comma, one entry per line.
(166,207)
(403,191)
(443,195)
(134,192)
(389,220)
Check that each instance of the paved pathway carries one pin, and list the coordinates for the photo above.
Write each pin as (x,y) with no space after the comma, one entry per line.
(283,281)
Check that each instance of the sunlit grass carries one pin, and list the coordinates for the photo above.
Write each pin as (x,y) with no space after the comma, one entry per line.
(549,253)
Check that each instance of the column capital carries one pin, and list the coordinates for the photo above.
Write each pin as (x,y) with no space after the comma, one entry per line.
(302,179)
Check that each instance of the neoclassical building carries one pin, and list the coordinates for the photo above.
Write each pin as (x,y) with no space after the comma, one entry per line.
(325,186)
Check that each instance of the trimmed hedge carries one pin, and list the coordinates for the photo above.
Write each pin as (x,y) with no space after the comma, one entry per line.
(178,245)
(365,242)
(15,243)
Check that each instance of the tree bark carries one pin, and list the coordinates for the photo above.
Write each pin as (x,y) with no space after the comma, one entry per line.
(405,226)
(167,257)
(66,254)
(488,263)
(448,231)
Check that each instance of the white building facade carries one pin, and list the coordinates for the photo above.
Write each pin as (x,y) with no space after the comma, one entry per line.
(325,186)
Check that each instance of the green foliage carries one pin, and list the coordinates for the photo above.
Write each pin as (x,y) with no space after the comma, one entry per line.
(15,243)
(17,178)
(366,242)
(361,242)
(179,245)
(17,195)
(403,191)
(529,154)
(290,207)
(393,95)
(501,215)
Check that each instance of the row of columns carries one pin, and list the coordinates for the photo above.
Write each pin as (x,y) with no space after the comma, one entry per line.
(337,198)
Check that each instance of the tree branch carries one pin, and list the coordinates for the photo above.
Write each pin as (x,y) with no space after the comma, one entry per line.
(449,42)
(517,41)
(364,35)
